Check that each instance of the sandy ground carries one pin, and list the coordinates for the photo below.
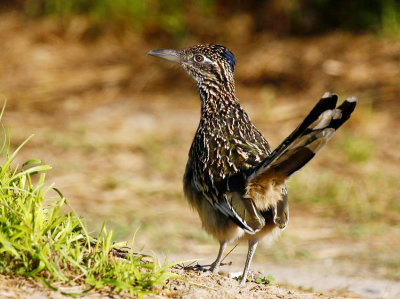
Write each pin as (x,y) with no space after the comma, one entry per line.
(192,286)
(200,285)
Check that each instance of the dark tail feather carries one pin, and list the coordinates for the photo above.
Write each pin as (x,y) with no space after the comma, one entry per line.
(304,142)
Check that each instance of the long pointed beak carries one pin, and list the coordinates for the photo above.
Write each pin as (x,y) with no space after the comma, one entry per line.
(167,54)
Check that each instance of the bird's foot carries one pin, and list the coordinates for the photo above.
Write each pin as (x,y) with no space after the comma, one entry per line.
(238,276)
(255,277)
(243,281)
(201,270)
(196,267)
(214,269)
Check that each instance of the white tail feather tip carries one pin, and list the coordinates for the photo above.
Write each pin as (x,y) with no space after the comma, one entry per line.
(326,95)
(351,99)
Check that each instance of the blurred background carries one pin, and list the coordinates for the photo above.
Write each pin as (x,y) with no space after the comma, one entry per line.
(116,125)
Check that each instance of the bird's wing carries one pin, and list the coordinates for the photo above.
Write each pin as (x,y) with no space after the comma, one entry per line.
(302,145)
(245,212)
(242,211)
(239,155)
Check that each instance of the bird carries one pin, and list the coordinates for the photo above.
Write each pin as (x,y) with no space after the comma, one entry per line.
(233,179)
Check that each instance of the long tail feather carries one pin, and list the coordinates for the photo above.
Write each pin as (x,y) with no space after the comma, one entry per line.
(304,142)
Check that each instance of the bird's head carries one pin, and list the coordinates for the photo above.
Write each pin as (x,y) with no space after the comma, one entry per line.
(203,62)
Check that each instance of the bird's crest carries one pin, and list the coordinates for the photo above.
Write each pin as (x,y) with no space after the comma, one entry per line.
(225,53)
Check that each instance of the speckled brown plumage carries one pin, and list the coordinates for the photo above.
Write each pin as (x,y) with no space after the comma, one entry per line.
(232,179)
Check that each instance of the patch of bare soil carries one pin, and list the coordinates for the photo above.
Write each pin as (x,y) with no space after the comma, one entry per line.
(192,285)
(23,287)
(196,285)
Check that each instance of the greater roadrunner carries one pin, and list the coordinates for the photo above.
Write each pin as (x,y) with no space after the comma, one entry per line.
(232,179)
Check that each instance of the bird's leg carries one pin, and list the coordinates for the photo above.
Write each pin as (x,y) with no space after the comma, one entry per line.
(214,268)
(250,253)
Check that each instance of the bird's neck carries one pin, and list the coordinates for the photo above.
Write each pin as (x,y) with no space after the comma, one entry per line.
(218,98)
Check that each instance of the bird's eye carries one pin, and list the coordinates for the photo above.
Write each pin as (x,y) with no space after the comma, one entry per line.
(199,58)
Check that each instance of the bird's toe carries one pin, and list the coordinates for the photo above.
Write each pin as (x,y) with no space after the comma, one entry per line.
(243,282)
(214,269)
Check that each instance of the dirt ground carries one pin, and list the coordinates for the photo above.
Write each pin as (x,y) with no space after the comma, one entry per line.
(116,127)
(193,286)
